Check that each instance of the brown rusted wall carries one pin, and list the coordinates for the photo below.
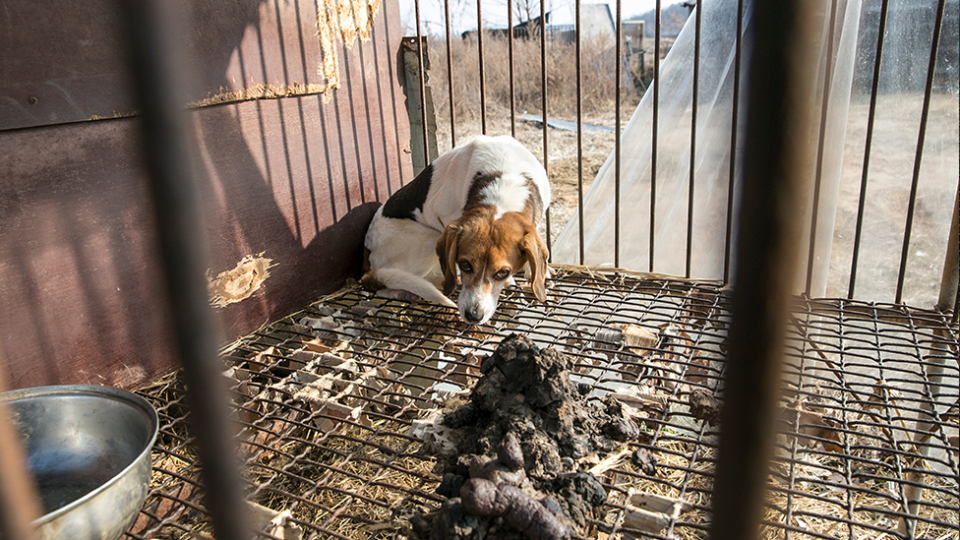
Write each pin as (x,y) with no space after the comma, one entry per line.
(295,178)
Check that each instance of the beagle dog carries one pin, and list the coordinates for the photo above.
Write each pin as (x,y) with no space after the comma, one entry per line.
(474,210)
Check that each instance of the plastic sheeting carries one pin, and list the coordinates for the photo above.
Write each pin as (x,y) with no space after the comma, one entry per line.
(845,74)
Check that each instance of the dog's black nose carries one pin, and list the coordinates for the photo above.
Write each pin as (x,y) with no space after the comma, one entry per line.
(473,315)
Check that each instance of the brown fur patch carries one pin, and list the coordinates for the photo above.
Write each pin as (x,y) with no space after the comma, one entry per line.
(534,206)
(489,244)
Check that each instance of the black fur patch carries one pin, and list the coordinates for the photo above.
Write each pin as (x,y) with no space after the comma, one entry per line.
(481,181)
(534,203)
(403,203)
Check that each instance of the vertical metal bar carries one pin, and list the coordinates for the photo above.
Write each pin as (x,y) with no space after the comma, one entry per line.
(871,117)
(824,107)
(543,100)
(154,64)
(19,504)
(935,370)
(579,136)
(928,420)
(951,262)
(765,264)
(921,137)
(453,123)
(423,88)
(513,111)
(483,78)
(693,134)
(654,133)
(734,126)
(956,309)
(616,141)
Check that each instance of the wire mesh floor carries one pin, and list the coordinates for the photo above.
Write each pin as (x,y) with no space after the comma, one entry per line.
(332,402)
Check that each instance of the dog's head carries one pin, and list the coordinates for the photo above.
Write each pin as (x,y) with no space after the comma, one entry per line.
(488,250)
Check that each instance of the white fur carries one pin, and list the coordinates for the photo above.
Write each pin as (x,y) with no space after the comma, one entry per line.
(484,303)
(397,279)
(454,171)
(509,194)
(403,251)
(403,254)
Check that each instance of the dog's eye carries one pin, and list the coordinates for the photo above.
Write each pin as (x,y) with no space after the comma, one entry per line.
(465,267)
(502,274)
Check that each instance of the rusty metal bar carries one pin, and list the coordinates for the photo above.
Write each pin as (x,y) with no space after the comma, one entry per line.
(654,133)
(453,116)
(921,137)
(765,266)
(821,138)
(868,145)
(951,264)
(154,63)
(936,369)
(483,81)
(956,309)
(616,140)
(543,101)
(579,135)
(19,504)
(734,125)
(691,186)
(423,88)
(513,111)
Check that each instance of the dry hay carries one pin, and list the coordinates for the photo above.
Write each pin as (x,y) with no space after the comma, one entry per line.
(174,459)
(342,472)
(333,468)
(362,481)
(673,461)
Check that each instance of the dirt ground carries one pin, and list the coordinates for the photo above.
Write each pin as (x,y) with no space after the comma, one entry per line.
(889,176)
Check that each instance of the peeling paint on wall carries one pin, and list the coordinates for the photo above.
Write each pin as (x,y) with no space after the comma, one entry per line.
(232,286)
(260,91)
(348,18)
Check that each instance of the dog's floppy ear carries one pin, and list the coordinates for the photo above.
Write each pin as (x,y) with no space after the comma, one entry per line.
(536,252)
(447,249)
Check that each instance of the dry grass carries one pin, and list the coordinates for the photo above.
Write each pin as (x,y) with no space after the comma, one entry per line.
(330,471)
(598,77)
(327,487)
(365,481)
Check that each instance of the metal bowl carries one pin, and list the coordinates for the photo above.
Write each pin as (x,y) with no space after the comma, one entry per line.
(89,449)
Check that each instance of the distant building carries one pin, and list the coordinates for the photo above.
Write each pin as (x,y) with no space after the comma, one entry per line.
(595,20)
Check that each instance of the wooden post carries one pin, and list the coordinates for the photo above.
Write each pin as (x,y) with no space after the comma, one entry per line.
(411,69)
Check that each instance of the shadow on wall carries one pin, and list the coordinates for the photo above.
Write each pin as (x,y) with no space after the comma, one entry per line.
(291,177)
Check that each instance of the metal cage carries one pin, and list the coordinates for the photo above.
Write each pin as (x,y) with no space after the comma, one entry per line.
(330,404)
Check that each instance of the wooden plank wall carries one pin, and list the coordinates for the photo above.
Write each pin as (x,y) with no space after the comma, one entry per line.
(294,178)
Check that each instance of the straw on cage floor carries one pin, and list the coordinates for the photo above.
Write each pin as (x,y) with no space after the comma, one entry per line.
(333,401)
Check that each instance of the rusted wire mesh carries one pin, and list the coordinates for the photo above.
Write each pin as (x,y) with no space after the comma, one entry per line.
(332,403)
